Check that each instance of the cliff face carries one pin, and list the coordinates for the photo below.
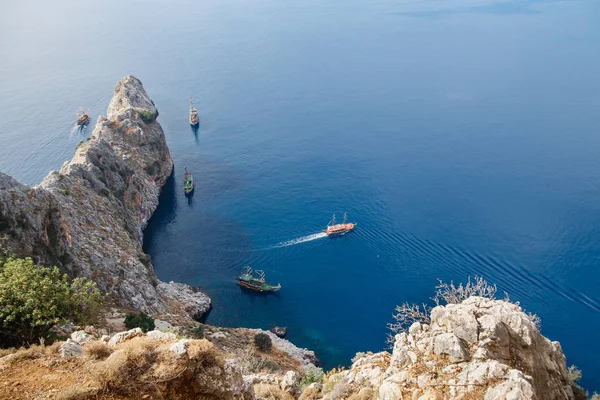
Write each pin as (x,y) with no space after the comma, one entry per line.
(88,217)
(478,349)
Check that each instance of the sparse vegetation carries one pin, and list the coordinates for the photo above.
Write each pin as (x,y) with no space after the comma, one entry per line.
(79,144)
(331,379)
(61,177)
(151,169)
(573,376)
(146,115)
(104,192)
(198,332)
(407,313)
(271,392)
(449,294)
(141,320)
(312,375)
(263,342)
(143,366)
(33,299)
(97,350)
(64,192)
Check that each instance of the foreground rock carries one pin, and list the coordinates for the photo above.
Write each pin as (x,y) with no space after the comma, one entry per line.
(480,348)
(87,218)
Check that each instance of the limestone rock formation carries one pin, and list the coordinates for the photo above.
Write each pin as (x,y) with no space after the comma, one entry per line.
(480,348)
(88,217)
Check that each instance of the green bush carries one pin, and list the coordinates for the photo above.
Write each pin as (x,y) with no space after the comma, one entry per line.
(146,115)
(141,320)
(64,192)
(33,299)
(312,375)
(262,341)
(198,332)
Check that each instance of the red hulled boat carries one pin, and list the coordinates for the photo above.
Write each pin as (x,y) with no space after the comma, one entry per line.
(338,229)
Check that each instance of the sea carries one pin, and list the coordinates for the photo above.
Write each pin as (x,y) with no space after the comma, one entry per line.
(463,137)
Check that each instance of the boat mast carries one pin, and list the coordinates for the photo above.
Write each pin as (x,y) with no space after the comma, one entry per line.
(344,219)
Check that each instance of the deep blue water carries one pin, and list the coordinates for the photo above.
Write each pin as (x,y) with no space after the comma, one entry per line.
(462,136)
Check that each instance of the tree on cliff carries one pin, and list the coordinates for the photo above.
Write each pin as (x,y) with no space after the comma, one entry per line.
(33,299)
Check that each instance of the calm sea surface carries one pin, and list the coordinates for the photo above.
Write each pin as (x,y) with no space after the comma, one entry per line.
(463,137)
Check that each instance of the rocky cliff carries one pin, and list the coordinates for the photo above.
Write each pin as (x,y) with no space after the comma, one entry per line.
(88,217)
(478,349)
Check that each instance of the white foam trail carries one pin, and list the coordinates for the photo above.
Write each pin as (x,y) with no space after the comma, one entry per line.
(299,240)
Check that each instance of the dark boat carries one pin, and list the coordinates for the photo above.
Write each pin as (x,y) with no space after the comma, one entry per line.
(83,117)
(334,229)
(255,280)
(194,118)
(188,182)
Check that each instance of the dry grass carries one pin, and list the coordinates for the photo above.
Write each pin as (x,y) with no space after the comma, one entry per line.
(366,393)
(33,352)
(77,392)
(97,350)
(331,379)
(271,392)
(144,366)
(310,393)
(5,352)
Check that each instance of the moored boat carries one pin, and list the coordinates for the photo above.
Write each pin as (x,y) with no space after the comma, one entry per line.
(188,182)
(255,280)
(333,229)
(194,118)
(83,117)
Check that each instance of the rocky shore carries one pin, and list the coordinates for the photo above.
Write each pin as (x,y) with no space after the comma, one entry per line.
(88,217)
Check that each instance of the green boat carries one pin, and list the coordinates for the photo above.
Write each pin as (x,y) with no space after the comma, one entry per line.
(255,280)
(188,182)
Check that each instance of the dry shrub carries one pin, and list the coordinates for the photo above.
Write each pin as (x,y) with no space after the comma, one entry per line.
(204,353)
(52,350)
(77,392)
(252,361)
(451,294)
(271,392)
(311,393)
(97,350)
(146,366)
(332,378)
(364,394)
(341,390)
(27,353)
(5,352)
(407,314)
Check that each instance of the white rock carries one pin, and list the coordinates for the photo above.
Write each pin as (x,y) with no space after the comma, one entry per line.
(81,337)
(415,328)
(289,383)
(449,344)
(158,335)
(70,348)
(180,347)
(123,336)
(517,387)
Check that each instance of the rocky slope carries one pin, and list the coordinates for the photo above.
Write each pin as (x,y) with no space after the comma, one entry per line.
(87,218)
(478,349)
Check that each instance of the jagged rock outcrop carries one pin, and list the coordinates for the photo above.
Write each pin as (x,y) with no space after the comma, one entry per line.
(480,348)
(88,217)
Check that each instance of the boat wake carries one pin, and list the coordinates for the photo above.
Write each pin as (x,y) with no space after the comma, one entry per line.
(302,239)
